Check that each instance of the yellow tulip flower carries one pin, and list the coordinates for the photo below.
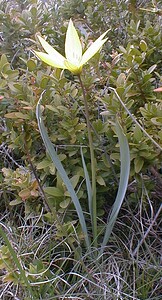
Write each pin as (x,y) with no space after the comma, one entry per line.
(74,59)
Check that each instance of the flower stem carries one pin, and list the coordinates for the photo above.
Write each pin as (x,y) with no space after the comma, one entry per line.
(93,167)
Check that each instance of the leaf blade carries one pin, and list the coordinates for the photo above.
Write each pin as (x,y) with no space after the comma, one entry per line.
(88,184)
(123,183)
(61,170)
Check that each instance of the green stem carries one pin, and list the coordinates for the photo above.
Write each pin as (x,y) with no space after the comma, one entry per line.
(93,167)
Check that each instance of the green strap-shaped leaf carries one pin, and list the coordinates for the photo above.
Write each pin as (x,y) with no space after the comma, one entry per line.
(88,184)
(50,149)
(123,183)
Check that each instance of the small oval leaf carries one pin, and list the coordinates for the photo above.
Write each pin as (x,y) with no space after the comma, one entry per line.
(53,191)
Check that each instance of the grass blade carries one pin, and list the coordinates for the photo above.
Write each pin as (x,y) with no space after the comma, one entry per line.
(50,149)
(123,183)
(16,261)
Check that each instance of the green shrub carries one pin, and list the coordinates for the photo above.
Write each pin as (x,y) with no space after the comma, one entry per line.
(127,69)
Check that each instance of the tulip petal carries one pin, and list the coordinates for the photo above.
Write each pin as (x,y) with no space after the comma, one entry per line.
(73,68)
(93,49)
(52,61)
(55,55)
(73,48)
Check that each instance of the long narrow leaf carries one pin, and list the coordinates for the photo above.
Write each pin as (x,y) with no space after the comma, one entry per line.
(88,185)
(61,170)
(16,261)
(123,183)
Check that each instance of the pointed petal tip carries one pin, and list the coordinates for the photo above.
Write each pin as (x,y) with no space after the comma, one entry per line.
(93,49)
(41,40)
(73,47)
(51,61)
(70,24)
(103,35)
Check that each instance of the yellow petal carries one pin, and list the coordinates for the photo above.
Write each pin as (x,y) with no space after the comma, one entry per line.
(93,49)
(73,68)
(73,48)
(52,61)
(52,52)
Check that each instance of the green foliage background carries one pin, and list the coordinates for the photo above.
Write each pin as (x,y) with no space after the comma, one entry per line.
(130,62)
